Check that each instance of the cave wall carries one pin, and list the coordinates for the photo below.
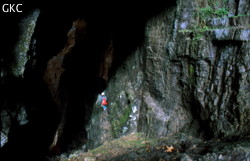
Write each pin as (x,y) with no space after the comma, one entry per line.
(191,75)
(184,69)
(61,72)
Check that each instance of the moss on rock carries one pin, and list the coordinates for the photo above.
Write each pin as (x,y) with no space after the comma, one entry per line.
(120,119)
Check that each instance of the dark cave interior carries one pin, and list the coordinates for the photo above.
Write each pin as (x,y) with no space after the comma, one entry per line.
(121,23)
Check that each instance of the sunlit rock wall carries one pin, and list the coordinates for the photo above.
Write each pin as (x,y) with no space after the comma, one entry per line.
(190,75)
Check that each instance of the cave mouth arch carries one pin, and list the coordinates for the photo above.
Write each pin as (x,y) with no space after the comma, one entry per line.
(122,23)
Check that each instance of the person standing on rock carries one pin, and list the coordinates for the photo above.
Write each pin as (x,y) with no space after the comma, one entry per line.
(104,101)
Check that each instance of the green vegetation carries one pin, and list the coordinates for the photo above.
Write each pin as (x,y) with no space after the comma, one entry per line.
(205,12)
(210,9)
(120,111)
(208,12)
(221,12)
(120,121)
(134,141)
(240,15)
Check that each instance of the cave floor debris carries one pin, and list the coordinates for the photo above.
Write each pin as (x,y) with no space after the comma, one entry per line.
(135,147)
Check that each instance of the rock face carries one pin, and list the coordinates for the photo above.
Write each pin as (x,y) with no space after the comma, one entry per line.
(190,75)
(182,70)
(53,75)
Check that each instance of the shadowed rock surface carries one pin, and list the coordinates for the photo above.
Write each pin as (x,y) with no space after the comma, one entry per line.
(166,68)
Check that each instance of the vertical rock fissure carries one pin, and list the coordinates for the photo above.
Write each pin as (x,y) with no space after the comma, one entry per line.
(53,75)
